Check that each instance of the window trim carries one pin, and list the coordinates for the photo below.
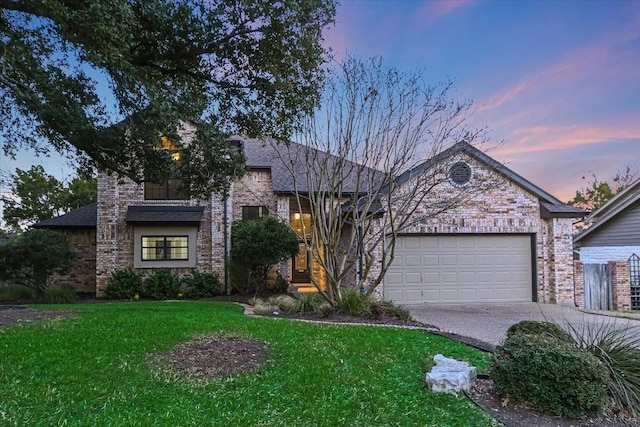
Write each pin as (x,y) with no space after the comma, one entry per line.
(164,248)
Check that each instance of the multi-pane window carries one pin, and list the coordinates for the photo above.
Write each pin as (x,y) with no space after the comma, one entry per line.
(165,248)
(254,212)
(300,220)
(168,190)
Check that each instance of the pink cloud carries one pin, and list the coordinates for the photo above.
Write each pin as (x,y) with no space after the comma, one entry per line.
(434,10)
(592,61)
(555,138)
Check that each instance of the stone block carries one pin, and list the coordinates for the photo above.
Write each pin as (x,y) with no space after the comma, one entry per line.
(450,375)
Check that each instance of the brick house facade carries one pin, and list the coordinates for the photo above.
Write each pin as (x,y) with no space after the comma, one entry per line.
(515,208)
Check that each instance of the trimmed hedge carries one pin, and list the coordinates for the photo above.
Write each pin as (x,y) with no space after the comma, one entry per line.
(540,328)
(549,374)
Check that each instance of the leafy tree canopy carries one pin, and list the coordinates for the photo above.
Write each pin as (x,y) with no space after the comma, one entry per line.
(39,196)
(103,80)
(597,192)
(30,258)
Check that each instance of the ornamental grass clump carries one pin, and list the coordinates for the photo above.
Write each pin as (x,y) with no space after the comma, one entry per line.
(354,301)
(618,348)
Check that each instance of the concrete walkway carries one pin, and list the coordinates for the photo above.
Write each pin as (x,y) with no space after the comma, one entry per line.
(489,322)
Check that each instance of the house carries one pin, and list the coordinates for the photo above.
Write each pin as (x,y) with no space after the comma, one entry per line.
(510,243)
(608,251)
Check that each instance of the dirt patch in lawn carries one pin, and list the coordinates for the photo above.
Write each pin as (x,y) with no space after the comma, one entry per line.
(16,314)
(214,357)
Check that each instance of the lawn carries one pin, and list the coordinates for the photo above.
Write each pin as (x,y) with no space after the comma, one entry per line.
(94,370)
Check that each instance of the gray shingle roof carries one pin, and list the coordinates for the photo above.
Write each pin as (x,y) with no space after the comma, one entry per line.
(84,217)
(622,201)
(164,214)
(283,159)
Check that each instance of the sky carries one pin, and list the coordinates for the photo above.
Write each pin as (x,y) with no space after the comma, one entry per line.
(558,82)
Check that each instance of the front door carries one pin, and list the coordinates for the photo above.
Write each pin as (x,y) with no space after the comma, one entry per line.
(301,265)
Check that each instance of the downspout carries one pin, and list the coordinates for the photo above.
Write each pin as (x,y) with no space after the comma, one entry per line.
(360,253)
(226,247)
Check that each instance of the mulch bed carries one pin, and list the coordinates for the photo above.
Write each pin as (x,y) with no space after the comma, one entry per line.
(217,356)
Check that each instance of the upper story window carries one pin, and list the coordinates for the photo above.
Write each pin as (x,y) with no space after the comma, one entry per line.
(170,189)
(254,212)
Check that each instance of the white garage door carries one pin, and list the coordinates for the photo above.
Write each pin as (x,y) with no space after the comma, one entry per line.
(460,269)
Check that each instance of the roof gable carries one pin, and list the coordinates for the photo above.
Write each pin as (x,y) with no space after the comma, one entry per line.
(550,205)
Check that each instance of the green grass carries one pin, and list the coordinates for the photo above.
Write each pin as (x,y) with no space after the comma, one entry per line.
(93,370)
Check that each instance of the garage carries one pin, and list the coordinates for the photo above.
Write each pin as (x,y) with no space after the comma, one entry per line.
(461,269)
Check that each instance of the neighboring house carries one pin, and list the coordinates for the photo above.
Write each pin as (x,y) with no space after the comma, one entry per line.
(507,244)
(608,252)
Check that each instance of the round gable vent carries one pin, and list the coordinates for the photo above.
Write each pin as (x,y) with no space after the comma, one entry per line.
(460,173)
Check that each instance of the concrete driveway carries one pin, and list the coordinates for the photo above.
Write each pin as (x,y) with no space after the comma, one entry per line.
(489,322)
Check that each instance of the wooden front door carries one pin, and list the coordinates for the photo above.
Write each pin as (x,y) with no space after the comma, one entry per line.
(301,265)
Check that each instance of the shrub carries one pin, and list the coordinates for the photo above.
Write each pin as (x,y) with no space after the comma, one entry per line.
(380,308)
(123,284)
(265,309)
(549,329)
(549,374)
(202,284)
(14,293)
(280,286)
(259,245)
(354,301)
(308,303)
(30,258)
(59,296)
(161,284)
(325,309)
(286,303)
(618,348)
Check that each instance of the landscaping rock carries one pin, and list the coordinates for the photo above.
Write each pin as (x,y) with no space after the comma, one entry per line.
(450,375)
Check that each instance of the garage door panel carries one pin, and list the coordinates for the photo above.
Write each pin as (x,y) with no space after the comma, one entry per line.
(412,260)
(430,260)
(461,268)
(448,259)
(413,278)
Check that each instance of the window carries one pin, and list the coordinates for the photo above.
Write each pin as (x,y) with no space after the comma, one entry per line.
(169,190)
(460,173)
(254,212)
(297,221)
(165,248)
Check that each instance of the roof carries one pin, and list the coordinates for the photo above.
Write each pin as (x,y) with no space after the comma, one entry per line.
(550,206)
(164,214)
(284,158)
(618,204)
(84,217)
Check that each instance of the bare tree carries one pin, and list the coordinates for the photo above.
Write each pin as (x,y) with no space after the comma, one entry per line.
(369,165)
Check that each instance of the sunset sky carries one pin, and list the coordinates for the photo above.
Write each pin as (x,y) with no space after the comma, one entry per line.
(558,81)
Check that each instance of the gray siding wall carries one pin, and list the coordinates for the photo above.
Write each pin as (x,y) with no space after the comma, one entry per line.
(623,230)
